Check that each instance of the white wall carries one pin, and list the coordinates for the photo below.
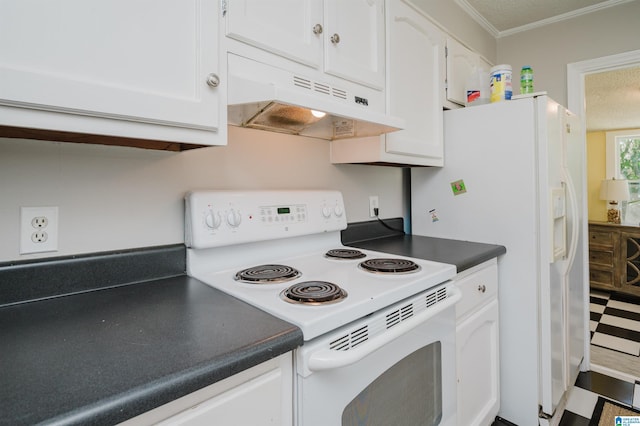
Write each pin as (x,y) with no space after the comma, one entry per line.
(111,198)
(550,48)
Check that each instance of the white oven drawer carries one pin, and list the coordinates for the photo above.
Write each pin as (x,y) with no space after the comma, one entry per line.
(479,285)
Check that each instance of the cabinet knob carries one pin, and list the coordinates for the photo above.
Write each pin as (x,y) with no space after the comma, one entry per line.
(213,80)
(317,29)
(482,288)
(335,39)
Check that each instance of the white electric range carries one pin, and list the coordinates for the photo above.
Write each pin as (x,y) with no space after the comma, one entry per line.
(296,234)
(281,252)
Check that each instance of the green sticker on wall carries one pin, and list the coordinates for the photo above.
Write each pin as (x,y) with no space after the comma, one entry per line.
(458,187)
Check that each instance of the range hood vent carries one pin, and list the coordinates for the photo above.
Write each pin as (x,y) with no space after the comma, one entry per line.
(268,98)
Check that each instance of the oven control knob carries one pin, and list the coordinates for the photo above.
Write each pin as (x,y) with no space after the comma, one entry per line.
(326,212)
(213,220)
(233,218)
(338,211)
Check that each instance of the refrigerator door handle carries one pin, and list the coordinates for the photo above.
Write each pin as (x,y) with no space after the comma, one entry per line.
(573,202)
(558,223)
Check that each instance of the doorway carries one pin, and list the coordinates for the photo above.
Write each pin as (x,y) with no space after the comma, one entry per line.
(576,94)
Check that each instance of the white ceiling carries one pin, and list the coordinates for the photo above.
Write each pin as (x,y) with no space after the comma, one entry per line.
(505,17)
(612,98)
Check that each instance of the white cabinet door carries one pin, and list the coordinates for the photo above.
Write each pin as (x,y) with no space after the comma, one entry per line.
(477,366)
(415,68)
(355,41)
(256,402)
(139,62)
(289,28)
(477,346)
(415,73)
(461,64)
(261,395)
(341,38)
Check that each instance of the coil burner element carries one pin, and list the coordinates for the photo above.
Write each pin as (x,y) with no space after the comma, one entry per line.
(313,293)
(389,266)
(267,274)
(343,253)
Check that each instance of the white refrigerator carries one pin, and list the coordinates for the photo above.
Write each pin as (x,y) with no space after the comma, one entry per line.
(514,175)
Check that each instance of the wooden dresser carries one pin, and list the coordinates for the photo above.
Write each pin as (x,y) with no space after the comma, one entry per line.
(614,257)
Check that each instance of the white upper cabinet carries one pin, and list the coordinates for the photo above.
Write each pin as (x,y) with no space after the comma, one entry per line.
(415,79)
(341,38)
(142,69)
(461,64)
(292,28)
(354,40)
(415,82)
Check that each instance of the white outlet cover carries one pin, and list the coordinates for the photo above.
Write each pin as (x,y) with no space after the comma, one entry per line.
(28,244)
(373,204)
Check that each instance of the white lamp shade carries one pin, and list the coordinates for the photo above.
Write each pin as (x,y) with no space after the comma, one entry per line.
(614,190)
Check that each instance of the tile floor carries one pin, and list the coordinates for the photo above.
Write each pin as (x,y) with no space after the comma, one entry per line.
(589,386)
(584,395)
(615,322)
(615,325)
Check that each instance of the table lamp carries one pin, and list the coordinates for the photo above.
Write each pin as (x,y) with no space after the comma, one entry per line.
(614,190)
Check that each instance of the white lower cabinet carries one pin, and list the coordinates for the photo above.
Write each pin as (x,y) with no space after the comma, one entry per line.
(477,346)
(261,395)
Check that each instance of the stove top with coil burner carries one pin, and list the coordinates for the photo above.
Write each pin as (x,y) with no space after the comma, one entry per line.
(313,293)
(389,266)
(267,274)
(344,254)
(306,232)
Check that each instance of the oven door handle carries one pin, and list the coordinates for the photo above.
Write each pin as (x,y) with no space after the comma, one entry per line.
(328,359)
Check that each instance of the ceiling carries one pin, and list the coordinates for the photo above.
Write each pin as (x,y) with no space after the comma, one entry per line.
(505,17)
(612,97)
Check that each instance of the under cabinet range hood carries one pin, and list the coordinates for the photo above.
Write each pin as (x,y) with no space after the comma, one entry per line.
(264,97)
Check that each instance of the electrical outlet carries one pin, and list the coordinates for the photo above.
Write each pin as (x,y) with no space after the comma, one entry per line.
(40,222)
(38,229)
(373,204)
(39,237)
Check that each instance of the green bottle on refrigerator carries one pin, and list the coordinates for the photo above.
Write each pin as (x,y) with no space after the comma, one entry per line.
(526,80)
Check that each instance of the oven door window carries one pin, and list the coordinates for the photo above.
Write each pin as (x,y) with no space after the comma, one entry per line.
(407,394)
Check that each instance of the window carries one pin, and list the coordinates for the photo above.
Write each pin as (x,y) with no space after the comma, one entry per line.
(623,162)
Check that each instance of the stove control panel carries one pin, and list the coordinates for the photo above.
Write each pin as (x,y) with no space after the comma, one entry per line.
(221,218)
(283,214)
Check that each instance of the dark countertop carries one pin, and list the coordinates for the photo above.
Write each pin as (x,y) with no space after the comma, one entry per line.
(106,337)
(463,254)
(105,355)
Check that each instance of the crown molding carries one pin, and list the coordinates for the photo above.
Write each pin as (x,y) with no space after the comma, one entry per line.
(464,4)
(471,11)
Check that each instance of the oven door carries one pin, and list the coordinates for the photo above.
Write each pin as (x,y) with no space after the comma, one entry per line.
(403,375)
